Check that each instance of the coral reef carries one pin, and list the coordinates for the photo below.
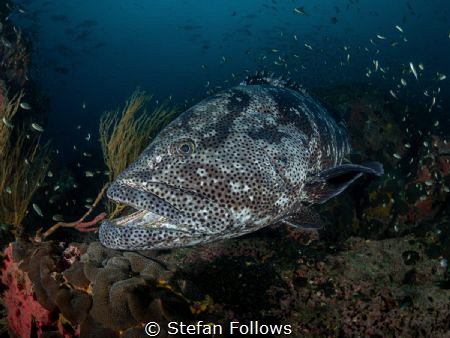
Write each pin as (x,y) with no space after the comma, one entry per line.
(25,314)
(358,287)
(90,290)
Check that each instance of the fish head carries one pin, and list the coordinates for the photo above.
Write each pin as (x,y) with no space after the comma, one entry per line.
(202,178)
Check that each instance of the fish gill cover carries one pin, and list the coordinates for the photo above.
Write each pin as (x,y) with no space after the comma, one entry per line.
(315,132)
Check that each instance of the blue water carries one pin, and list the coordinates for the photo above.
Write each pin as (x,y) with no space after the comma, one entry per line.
(98,52)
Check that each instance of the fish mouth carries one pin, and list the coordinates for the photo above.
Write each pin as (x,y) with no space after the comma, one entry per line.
(146,219)
(140,218)
(143,216)
(147,229)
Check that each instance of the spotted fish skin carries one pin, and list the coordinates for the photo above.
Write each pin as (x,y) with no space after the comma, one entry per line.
(235,162)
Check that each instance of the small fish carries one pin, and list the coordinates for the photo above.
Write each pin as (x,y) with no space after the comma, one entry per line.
(381,37)
(300,10)
(275,50)
(394,43)
(413,70)
(87,154)
(375,62)
(58,218)
(393,94)
(403,82)
(89,174)
(88,137)
(400,29)
(308,46)
(56,188)
(8,190)
(37,127)
(436,123)
(7,123)
(397,156)
(440,76)
(83,105)
(38,210)
(25,106)
(421,66)
(49,174)
(407,145)
(295,37)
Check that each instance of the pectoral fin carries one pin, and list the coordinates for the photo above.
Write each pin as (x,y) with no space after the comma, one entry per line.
(305,218)
(331,182)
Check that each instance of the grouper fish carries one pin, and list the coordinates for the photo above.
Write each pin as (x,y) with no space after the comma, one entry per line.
(254,155)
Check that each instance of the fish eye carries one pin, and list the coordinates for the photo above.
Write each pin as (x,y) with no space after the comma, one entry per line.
(183,147)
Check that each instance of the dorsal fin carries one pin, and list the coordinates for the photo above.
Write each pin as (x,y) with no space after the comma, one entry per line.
(265,78)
